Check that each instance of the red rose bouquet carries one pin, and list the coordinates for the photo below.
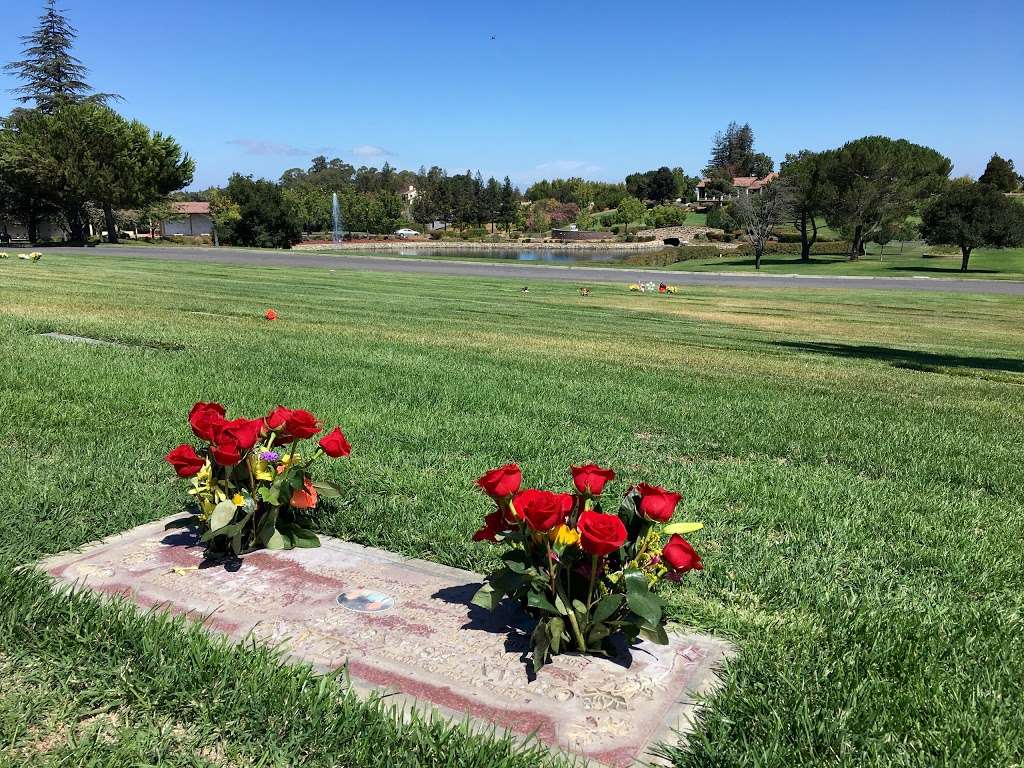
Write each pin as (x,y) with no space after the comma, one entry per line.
(587,576)
(250,477)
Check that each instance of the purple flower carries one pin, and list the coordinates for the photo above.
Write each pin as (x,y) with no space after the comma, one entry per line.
(270,456)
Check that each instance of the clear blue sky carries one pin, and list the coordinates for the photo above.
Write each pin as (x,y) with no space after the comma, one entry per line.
(594,88)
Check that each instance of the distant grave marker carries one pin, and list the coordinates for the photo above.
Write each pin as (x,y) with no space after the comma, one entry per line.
(81,339)
(405,627)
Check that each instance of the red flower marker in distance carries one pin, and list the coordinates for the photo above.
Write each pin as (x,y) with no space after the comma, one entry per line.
(270,314)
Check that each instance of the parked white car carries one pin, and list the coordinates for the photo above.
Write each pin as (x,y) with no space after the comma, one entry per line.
(406,232)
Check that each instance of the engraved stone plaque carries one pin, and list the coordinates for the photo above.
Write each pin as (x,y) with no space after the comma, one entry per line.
(406,627)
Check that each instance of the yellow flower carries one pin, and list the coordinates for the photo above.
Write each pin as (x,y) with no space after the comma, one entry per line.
(261,470)
(288,459)
(563,536)
(237,500)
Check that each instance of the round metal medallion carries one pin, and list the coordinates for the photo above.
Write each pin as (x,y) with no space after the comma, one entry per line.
(366,601)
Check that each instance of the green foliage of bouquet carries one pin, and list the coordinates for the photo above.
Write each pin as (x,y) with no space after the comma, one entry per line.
(587,576)
(250,478)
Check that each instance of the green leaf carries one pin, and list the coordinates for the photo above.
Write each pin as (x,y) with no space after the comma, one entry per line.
(517,560)
(327,490)
(267,528)
(606,606)
(655,634)
(641,600)
(597,633)
(227,530)
(181,522)
(579,607)
(541,645)
(506,581)
(555,629)
(222,514)
(278,540)
(682,528)
(629,506)
(302,538)
(486,597)
(270,494)
(539,600)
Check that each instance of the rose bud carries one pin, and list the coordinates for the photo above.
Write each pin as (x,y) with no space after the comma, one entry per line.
(334,444)
(600,534)
(301,424)
(205,419)
(502,482)
(185,460)
(657,504)
(543,511)
(494,523)
(680,556)
(590,479)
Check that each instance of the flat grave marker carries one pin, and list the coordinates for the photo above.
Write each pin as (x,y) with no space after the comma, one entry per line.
(406,628)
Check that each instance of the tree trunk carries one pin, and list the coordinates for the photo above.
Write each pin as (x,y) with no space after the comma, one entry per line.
(75,226)
(805,244)
(108,214)
(857,244)
(33,228)
(758,250)
(967,256)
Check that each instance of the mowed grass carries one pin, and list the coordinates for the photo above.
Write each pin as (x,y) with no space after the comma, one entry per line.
(854,455)
(916,259)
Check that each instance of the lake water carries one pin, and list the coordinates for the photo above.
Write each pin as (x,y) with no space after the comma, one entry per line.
(526,253)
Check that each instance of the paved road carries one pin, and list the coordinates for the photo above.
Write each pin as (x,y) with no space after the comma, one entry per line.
(520,271)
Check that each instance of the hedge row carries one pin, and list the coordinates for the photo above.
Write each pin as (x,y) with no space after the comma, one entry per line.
(667,256)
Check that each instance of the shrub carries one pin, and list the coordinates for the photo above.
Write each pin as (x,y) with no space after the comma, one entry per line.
(666,216)
(719,218)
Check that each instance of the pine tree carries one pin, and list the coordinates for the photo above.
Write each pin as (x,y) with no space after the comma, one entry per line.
(1000,174)
(50,73)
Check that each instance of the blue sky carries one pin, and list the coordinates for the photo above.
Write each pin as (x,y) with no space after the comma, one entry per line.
(597,89)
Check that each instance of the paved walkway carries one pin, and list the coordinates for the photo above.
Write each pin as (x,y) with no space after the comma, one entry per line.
(525,272)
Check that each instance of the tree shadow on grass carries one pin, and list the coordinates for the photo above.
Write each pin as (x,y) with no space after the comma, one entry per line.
(909,358)
(946,270)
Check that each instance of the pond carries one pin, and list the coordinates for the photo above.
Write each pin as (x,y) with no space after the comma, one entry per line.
(524,253)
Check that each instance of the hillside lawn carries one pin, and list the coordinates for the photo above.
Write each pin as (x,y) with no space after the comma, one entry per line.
(917,259)
(855,457)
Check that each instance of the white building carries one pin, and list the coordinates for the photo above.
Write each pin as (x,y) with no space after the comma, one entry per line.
(194,220)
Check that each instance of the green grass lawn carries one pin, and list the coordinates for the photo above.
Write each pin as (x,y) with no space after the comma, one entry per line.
(855,457)
(916,259)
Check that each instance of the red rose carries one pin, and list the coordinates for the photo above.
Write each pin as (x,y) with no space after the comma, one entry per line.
(226,451)
(335,445)
(600,534)
(680,556)
(590,479)
(205,419)
(243,432)
(502,482)
(301,424)
(276,418)
(494,524)
(657,504)
(305,497)
(542,510)
(185,460)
